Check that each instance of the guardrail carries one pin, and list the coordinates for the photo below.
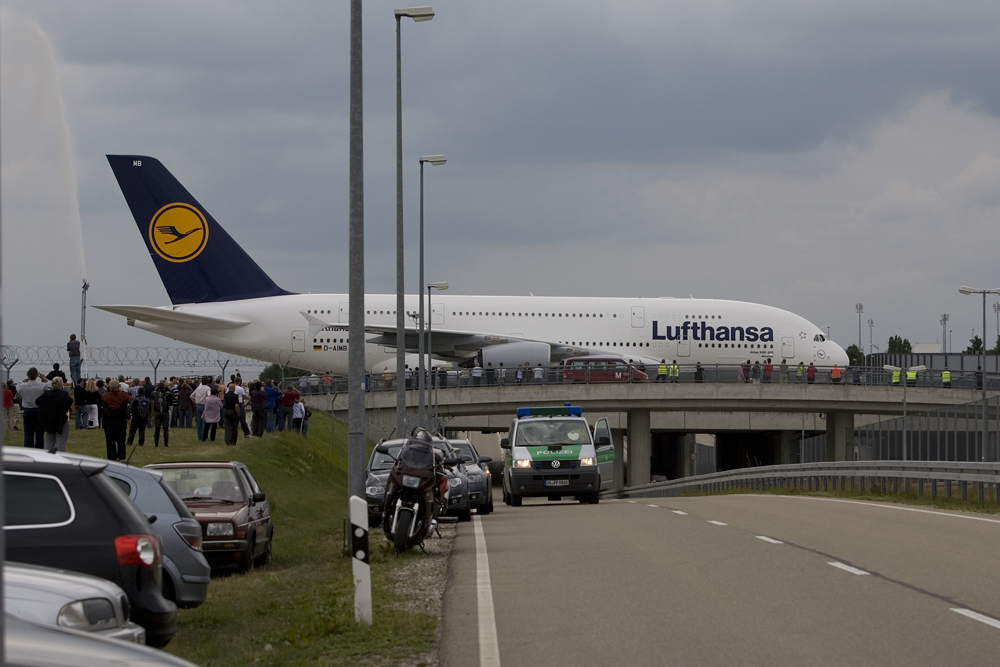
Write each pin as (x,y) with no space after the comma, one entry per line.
(877,476)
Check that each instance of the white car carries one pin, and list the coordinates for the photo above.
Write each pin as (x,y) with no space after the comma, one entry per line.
(60,598)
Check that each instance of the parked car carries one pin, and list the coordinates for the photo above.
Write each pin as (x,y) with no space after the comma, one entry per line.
(186,573)
(67,599)
(601,369)
(478,473)
(29,644)
(379,465)
(69,514)
(235,519)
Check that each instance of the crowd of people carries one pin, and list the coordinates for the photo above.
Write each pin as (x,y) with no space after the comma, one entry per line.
(43,406)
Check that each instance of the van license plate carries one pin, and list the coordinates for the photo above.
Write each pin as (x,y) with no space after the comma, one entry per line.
(557,482)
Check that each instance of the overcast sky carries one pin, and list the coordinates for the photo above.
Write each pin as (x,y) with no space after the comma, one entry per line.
(808,156)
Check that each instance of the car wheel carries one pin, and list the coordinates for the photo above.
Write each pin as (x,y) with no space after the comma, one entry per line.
(169,592)
(247,561)
(490,505)
(506,496)
(268,555)
(465,515)
(515,500)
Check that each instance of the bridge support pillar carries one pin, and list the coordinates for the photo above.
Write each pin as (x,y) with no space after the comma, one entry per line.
(618,439)
(690,449)
(639,447)
(840,436)
(788,448)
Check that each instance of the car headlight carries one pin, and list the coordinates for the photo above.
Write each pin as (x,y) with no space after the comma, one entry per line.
(411,481)
(589,461)
(88,615)
(522,463)
(475,477)
(375,490)
(454,482)
(219,529)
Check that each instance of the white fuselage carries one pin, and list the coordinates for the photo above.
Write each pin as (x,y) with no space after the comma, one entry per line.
(310,331)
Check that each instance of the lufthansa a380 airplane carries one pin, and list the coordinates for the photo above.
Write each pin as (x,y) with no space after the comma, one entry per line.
(223,301)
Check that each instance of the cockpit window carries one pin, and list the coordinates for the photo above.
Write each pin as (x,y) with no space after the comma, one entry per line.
(819,338)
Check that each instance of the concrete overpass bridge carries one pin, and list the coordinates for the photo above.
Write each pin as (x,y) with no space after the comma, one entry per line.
(660,419)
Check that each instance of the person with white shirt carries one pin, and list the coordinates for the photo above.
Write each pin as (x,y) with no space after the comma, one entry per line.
(198,396)
(29,390)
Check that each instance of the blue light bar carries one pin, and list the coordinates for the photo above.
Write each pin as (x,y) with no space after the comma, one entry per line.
(565,411)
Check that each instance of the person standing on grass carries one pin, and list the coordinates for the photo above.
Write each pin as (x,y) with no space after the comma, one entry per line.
(141,413)
(212,415)
(231,415)
(298,414)
(257,399)
(198,396)
(54,406)
(29,391)
(91,399)
(185,407)
(116,409)
(288,399)
(163,399)
(10,408)
(272,403)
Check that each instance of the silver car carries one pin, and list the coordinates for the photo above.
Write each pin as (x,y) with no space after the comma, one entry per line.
(34,645)
(69,600)
(186,573)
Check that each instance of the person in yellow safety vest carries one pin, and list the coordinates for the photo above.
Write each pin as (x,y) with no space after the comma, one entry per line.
(675,371)
(835,374)
(661,371)
(800,373)
(911,377)
(895,377)
(946,378)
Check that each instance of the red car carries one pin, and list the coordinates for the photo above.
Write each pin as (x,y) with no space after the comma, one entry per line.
(601,369)
(224,497)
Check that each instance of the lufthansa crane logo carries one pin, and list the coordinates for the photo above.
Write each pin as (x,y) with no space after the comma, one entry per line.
(178,232)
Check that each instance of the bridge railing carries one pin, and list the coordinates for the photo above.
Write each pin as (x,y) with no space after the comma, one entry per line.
(880,477)
(686,374)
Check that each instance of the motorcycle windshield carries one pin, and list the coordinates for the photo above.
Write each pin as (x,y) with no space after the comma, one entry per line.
(417,455)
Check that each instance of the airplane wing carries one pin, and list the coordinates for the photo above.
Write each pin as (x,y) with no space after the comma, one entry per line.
(464,344)
(174,318)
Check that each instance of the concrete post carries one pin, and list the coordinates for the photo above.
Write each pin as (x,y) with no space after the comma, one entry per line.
(639,447)
(840,436)
(689,448)
(788,447)
(618,439)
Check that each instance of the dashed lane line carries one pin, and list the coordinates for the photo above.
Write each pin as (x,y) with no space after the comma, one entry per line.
(847,568)
(680,512)
(978,617)
(768,539)
(652,505)
(489,647)
(719,523)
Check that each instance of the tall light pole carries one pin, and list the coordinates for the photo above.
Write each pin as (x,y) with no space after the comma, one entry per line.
(903,373)
(996,309)
(858,307)
(871,325)
(417,14)
(430,320)
(435,160)
(944,332)
(982,369)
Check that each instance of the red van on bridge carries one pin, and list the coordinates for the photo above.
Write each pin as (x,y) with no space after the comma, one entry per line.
(601,369)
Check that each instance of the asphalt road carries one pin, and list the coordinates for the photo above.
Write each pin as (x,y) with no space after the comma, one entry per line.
(656,582)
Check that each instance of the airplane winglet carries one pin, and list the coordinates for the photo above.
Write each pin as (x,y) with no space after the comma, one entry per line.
(175,318)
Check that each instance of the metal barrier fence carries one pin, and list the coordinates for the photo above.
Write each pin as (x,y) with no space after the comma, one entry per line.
(717,373)
(952,433)
(875,476)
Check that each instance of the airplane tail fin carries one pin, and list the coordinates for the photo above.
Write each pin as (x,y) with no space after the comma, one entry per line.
(197,260)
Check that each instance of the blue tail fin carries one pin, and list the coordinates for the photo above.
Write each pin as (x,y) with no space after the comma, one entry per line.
(197,260)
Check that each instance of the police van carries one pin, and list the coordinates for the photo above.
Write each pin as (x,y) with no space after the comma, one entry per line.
(551,453)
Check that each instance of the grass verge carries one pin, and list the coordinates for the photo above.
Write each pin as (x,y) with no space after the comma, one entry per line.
(939,502)
(299,610)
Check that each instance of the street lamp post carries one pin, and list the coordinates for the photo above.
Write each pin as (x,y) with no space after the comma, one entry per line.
(871,324)
(858,307)
(982,369)
(417,14)
(430,320)
(435,160)
(944,332)
(903,373)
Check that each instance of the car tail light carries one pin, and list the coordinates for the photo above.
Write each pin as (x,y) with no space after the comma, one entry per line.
(137,550)
(190,532)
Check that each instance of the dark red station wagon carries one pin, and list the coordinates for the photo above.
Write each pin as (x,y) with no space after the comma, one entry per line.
(224,497)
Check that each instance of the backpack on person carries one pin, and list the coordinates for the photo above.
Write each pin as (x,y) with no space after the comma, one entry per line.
(161,404)
(142,406)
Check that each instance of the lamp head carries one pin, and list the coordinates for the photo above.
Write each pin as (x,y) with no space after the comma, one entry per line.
(891,368)
(967,290)
(416,13)
(438,286)
(919,369)
(436,160)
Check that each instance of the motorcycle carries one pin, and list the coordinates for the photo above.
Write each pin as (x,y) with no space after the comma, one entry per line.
(414,491)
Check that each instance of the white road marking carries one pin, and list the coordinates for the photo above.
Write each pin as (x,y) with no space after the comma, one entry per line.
(887,506)
(718,523)
(632,502)
(489,647)
(680,512)
(848,568)
(979,617)
(652,505)
(768,539)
